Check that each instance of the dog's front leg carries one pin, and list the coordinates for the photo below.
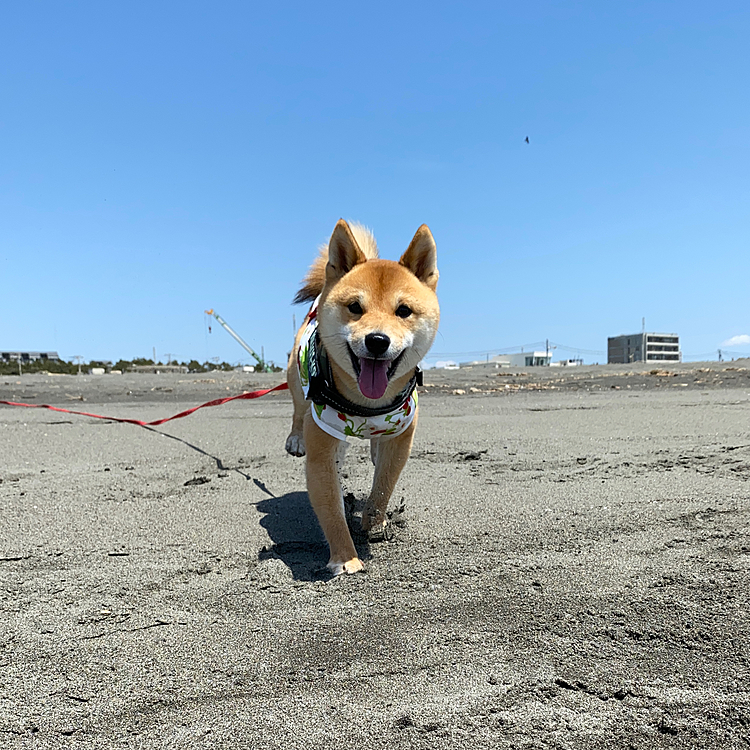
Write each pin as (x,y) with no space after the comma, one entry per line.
(295,443)
(324,490)
(390,456)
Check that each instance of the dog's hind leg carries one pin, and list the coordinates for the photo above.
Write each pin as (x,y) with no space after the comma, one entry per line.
(324,489)
(390,456)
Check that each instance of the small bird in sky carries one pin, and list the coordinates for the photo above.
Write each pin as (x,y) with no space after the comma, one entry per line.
(527,139)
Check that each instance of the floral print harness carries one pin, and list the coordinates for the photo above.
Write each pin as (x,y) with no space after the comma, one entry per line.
(338,424)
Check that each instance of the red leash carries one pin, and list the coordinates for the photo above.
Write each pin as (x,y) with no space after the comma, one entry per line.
(216,402)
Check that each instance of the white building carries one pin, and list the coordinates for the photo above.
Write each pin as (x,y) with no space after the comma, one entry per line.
(523,359)
(519,359)
(567,363)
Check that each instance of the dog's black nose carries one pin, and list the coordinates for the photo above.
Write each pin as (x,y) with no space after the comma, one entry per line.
(377,343)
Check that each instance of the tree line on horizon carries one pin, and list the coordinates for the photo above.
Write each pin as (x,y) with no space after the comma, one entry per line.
(60,366)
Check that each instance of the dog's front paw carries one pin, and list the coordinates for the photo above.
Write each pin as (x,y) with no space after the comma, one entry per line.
(350,566)
(295,445)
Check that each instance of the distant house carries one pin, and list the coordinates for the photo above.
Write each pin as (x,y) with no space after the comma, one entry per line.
(27,356)
(523,359)
(644,347)
(567,363)
(520,359)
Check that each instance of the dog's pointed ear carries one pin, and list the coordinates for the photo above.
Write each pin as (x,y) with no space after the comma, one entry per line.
(421,257)
(343,252)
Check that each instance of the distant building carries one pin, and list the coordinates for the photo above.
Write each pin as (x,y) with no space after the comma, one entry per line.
(644,347)
(519,359)
(523,359)
(567,363)
(100,367)
(27,356)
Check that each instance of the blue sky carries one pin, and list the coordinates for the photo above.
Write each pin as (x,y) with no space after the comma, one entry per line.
(158,159)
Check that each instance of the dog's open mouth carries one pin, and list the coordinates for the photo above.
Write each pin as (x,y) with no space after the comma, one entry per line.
(373,375)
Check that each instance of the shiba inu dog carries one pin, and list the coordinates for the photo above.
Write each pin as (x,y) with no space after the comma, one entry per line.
(354,368)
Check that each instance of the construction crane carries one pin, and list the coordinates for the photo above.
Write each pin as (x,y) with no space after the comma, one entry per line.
(262,366)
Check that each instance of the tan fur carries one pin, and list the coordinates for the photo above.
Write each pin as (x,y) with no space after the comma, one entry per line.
(349,270)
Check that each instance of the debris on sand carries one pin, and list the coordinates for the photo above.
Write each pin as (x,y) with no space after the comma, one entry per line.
(470,455)
(196,481)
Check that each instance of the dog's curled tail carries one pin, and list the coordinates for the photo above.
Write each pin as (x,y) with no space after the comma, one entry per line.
(313,283)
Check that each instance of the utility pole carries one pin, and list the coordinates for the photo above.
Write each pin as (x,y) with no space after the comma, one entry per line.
(20,371)
(719,355)
(78,358)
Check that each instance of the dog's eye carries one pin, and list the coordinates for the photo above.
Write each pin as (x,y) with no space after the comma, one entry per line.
(403,311)
(355,308)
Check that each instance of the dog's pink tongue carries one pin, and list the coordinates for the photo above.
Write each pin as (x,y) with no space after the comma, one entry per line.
(373,377)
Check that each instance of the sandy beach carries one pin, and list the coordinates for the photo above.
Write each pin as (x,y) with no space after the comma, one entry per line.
(569,568)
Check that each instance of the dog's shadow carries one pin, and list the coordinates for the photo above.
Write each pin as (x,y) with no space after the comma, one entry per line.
(291,523)
(297,538)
